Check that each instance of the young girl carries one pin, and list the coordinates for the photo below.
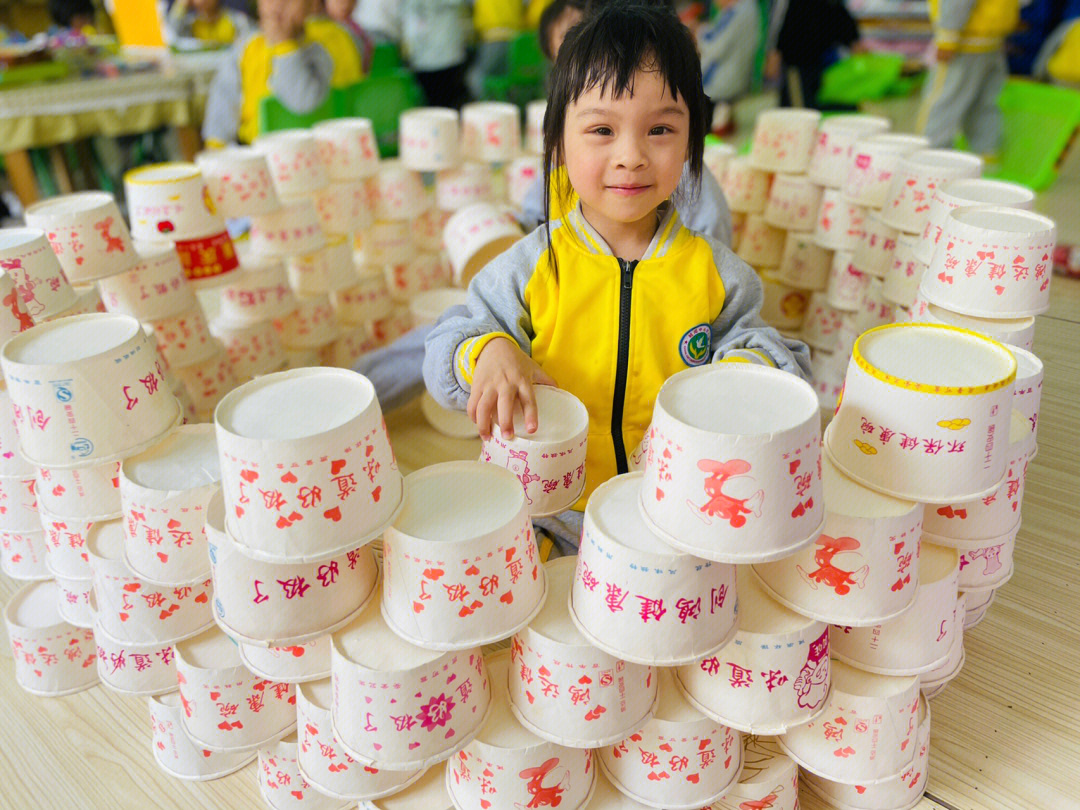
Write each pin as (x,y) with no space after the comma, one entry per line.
(616,297)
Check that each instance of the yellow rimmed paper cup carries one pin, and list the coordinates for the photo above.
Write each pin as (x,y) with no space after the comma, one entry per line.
(177,755)
(253,349)
(804,264)
(282,784)
(680,759)
(282,604)
(397,192)
(207,382)
(294,160)
(783,307)
(155,289)
(638,598)
(344,206)
(822,323)
(550,463)
(460,562)
(307,468)
(134,610)
(761,245)
(840,224)
(322,760)
(1018,332)
(742,485)
(18,504)
(564,689)
(87,233)
(491,131)
(35,284)
(170,201)
(295,663)
(992,262)
(863,569)
(165,491)
(426,307)
(925,412)
(52,657)
(866,735)
(872,163)
(134,669)
(783,140)
(23,555)
(239,181)
(964,193)
(901,793)
(184,339)
(918,640)
(917,176)
(348,147)
(524,768)
(258,292)
(475,235)
(311,325)
(836,137)
(425,271)
(207,259)
(399,707)
(769,779)
(793,202)
(325,270)
(294,228)
(86,390)
(225,707)
(773,675)
(464,185)
(429,139)
(745,186)
(901,284)
(874,253)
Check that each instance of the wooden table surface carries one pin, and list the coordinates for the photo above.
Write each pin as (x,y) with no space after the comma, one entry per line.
(1003,734)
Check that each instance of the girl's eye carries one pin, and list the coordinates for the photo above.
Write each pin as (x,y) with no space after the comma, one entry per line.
(660,130)
(602,131)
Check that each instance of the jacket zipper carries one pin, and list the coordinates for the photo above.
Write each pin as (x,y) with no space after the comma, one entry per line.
(626,292)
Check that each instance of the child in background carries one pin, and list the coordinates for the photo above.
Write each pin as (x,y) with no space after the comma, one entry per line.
(558,18)
(343,12)
(207,21)
(73,15)
(433,40)
(602,301)
(380,19)
(728,44)
(806,33)
(496,22)
(1059,58)
(293,57)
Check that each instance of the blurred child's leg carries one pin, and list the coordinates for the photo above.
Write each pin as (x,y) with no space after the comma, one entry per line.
(397,370)
(982,124)
(559,536)
(949,93)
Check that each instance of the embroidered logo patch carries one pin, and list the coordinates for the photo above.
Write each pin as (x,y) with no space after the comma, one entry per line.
(695,344)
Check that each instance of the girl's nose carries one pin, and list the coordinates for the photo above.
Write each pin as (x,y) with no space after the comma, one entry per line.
(631,153)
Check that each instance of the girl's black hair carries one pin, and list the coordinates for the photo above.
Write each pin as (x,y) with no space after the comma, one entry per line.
(607,49)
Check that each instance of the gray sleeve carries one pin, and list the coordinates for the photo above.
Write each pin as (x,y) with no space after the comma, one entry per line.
(495,303)
(397,370)
(1049,48)
(705,208)
(739,325)
(301,79)
(532,207)
(222,115)
(953,16)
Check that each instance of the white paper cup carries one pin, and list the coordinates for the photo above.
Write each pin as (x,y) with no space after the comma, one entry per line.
(388,329)
(964,193)
(253,349)
(534,126)
(427,230)
(13,315)
(710,476)
(769,780)
(350,346)
(295,164)
(623,607)
(772,676)
(155,289)
(239,181)
(12,462)
(783,306)
(87,233)
(525,769)
(134,669)
(256,294)
(344,206)
(977,604)
(992,262)
(294,228)
(311,325)
(425,271)
(207,382)
(65,544)
(74,594)
(52,657)
(783,139)
(324,763)
(836,137)
(208,259)
(225,707)
(876,249)
(761,245)
(804,264)
(282,784)
(822,323)
(874,309)
(564,689)
(1019,332)
(295,663)
(793,202)
(428,139)
(918,640)
(464,185)
(880,715)
(36,285)
(455,424)
(917,176)
(988,563)
(399,707)
(278,605)
(745,186)
(81,493)
(872,163)
(475,235)
(933,682)
(324,270)
(18,504)
(863,569)
(22,555)
(171,201)
(521,174)
(86,389)
(398,192)
(184,339)
(134,610)
(827,379)
(460,561)
(426,307)
(389,242)
(550,463)
(717,157)
(905,274)
(347,147)
(679,760)
(340,486)
(491,131)
(177,755)
(840,224)
(301,358)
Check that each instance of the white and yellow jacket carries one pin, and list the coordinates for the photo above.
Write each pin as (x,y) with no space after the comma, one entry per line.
(608,330)
(973,26)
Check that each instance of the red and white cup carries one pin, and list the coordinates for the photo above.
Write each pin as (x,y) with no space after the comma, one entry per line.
(827,378)
(35,285)
(475,235)
(23,555)
(521,175)
(793,203)
(463,185)
(207,259)
(295,228)
(325,270)
(874,309)
(81,493)
(239,181)
(745,186)
(184,339)
(76,586)
(282,784)
(783,306)
(716,159)
(901,284)
(310,325)
(761,245)
(87,233)
(427,230)
(836,137)
(348,147)
(177,755)
(989,563)
(964,193)
(18,504)
(170,201)
(491,131)
(155,289)
(822,323)
(294,663)
(349,347)
(917,176)
(253,349)
(207,382)
(426,271)
(295,163)
(874,253)
(804,264)
(258,292)
(769,781)
(1018,332)
(840,224)
(783,139)
(65,544)
(429,139)
(398,192)
(534,126)
(344,206)
(13,315)
(134,669)
(873,162)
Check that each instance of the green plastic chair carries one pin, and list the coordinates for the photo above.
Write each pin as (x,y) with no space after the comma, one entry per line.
(1038,122)
(385,58)
(860,77)
(382,99)
(273,115)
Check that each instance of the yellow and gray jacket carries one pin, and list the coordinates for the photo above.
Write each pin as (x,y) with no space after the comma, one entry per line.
(1059,56)
(225,28)
(973,26)
(608,330)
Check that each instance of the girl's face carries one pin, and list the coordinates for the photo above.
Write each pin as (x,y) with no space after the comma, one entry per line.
(625,156)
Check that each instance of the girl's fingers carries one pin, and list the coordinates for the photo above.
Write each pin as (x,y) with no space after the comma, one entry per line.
(484,410)
(541,377)
(508,397)
(528,405)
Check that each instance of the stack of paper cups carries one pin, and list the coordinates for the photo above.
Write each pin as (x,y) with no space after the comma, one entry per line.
(87,233)
(177,755)
(35,285)
(239,181)
(964,193)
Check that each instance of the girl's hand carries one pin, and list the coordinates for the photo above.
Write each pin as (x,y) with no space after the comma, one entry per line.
(503,377)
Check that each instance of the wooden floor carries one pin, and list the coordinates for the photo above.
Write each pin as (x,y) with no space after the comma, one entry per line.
(1004,733)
